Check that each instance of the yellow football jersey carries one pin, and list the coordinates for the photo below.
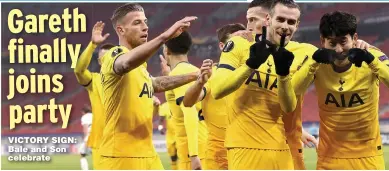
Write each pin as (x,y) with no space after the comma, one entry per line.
(165,112)
(254,113)
(191,134)
(214,114)
(348,109)
(94,89)
(128,104)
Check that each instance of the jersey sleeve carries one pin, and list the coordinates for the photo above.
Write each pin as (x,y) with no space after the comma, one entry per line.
(109,60)
(82,73)
(230,74)
(380,66)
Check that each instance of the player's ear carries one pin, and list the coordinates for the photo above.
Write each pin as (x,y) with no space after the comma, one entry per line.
(355,38)
(268,18)
(221,46)
(119,30)
(322,41)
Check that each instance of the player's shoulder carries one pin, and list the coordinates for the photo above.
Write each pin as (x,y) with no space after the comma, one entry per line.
(183,68)
(236,43)
(293,45)
(114,52)
(378,53)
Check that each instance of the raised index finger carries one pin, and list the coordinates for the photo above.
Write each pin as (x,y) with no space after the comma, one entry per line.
(282,42)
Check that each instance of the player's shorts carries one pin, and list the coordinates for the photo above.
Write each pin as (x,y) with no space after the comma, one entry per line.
(259,159)
(83,149)
(186,165)
(95,158)
(171,149)
(219,163)
(366,163)
(130,163)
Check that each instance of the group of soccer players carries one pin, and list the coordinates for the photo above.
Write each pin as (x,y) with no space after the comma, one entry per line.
(245,111)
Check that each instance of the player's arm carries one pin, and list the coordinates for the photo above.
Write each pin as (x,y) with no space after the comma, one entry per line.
(379,65)
(191,121)
(229,75)
(83,75)
(165,83)
(197,91)
(139,55)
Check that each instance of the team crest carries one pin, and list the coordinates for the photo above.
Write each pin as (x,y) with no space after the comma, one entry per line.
(117,51)
(229,46)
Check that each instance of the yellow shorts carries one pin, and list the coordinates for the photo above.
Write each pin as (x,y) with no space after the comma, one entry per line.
(130,163)
(298,163)
(186,165)
(219,163)
(95,158)
(366,163)
(259,159)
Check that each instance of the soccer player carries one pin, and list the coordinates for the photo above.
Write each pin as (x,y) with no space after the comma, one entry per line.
(86,122)
(165,114)
(213,111)
(347,84)
(191,133)
(257,131)
(92,83)
(128,91)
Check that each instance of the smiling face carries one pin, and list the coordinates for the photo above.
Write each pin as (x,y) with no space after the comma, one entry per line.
(282,20)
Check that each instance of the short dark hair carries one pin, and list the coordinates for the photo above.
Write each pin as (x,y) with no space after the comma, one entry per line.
(123,10)
(86,109)
(107,46)
(337,24)
(181,44)
(225,31)
(287,3)
(261,3)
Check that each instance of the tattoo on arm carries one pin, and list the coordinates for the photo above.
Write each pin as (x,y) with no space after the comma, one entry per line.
(165,83)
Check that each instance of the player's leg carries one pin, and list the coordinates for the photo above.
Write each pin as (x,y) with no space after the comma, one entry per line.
(83,152)
(95,158)
(258,159)
(184,165)
(172,151)
(366,163)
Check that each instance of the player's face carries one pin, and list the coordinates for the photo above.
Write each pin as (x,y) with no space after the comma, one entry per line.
(284,20)
(101,54)
(165,54)
(341,44)
(134,28)
(256,18)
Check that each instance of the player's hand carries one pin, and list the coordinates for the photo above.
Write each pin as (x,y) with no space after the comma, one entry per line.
(258,51)
(248,35)
(357,56)
(309,140)
(205,71)
(177,28)
(283,58)
(195,163)
(324,56)
(362,44)
(165,69)
(156,101)
(97,33)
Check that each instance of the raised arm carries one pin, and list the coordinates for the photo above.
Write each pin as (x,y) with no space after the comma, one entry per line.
(139,55)
(83,75)
(196,92)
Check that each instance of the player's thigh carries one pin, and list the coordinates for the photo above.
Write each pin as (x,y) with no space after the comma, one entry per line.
(257,159)
(366,163)
(217,163)
(298,163)
(95,158)
(130,163)
(171,149)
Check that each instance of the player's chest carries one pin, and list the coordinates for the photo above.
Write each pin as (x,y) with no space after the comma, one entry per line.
(352,88)
(140,83)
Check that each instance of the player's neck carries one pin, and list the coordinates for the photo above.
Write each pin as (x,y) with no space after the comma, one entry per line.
(342,66)
(126,44)
(176,59)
